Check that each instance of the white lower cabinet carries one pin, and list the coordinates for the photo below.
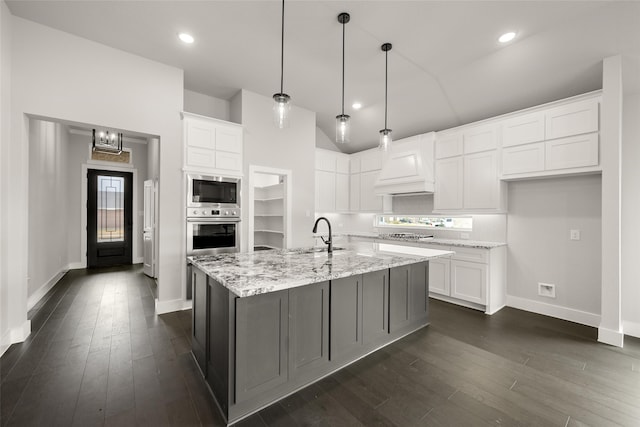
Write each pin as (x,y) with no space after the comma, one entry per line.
(472,277)
(469,281)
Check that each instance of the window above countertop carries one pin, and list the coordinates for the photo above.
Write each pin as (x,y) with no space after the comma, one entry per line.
(426,222)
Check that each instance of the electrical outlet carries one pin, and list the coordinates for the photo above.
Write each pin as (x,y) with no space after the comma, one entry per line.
(574,234)
(547,290)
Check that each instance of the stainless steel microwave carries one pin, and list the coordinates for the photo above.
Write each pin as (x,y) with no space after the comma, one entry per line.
(213,192)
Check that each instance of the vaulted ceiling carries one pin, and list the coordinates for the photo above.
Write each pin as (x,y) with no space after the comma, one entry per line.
(446,67)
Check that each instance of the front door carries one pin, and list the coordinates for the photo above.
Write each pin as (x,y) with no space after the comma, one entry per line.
(109,218)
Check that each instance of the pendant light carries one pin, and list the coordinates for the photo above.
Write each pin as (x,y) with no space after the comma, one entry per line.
(385,134)
(343,127)
(282,104)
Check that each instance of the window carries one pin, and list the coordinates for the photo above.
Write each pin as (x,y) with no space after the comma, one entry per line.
(424,222)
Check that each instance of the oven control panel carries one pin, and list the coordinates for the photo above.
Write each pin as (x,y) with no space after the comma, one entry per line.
(212,213)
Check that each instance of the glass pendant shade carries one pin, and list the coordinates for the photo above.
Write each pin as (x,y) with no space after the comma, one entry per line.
(281,110)
(343,128)
(385,139)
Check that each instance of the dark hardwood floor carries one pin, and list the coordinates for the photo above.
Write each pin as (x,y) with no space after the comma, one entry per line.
(98,355)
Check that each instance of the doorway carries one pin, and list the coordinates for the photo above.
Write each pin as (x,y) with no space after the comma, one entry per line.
(109,218)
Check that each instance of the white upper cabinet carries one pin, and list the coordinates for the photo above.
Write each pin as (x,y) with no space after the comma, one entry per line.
(481,183)
(552,140)
(332,181)
(365,168)
(449,184)
(480,138)
(572,119)
(523,129)
(212,146)
(448,144)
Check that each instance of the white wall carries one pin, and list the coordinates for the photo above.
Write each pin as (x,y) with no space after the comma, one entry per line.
(290,149)
(324,141)
(205,105)
(48,163)
(136,95)
(630,238)
(79,152)
(541,213)
(153,159)
(5,140)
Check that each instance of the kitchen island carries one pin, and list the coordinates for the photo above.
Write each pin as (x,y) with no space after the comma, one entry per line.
(268,323)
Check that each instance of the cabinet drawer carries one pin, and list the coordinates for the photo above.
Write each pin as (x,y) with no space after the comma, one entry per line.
(523,129)
(448,145)
(480,139)
(572,152)
(523,158)
(573,119)
(470,254)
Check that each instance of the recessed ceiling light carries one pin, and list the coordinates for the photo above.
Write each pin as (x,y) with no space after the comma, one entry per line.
(356,105)
(507,37)
(186,38)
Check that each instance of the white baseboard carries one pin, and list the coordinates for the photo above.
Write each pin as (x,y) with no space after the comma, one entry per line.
(5,341)
(76,265)
(137,260)
(559,312)
(611,337)
(170,306)
(631,328)
(15,335)
(42,291)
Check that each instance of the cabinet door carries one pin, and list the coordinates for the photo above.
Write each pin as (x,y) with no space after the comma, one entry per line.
(572,152)
(201,157)
(346,316)
(375,307)
(218,351)
(439,276)
(449,174)
(448,145)
(418,291)
(342,192)
(369,202)
(308,329)
(469,281)
(481,183)
(523,129)
(399,314)
(229,161)
(200,134)
(261,343)
(523,158)
(481,138)
(325,160)
(229,139)
(325,191)
(342,163)
(354,192)
(572,119)
(199,318)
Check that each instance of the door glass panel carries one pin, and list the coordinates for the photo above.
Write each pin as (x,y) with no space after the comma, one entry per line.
(110,210)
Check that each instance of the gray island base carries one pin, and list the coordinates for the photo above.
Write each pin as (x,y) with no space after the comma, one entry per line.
(269,323)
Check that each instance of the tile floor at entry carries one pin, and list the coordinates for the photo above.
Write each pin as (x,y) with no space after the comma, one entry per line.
(99,355)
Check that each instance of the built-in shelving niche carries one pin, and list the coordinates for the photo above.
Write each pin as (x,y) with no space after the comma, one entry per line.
(270,209)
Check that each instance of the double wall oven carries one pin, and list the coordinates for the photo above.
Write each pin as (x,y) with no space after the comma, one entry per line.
(213,214)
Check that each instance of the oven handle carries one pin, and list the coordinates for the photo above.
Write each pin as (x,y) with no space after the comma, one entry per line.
(214,220)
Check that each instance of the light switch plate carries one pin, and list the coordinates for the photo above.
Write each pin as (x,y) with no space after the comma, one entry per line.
(574,234)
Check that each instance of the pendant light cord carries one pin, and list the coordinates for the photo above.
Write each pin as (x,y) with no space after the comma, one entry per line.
(386,72)
(343,26)
(282,53)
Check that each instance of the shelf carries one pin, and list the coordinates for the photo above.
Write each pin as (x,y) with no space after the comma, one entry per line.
(268,231)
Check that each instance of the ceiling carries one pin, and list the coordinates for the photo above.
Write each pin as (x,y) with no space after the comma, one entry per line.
(446,67)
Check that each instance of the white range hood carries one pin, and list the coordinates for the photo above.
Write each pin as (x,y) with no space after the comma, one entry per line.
(408,167)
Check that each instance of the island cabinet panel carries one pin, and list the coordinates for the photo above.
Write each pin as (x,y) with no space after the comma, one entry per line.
(375,307)
(261,343)
(218,350)
(408,291)
(346,317)
(308,330)
(200,312)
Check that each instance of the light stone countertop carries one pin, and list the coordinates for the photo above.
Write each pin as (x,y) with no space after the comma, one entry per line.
(427,241)
(253,273)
